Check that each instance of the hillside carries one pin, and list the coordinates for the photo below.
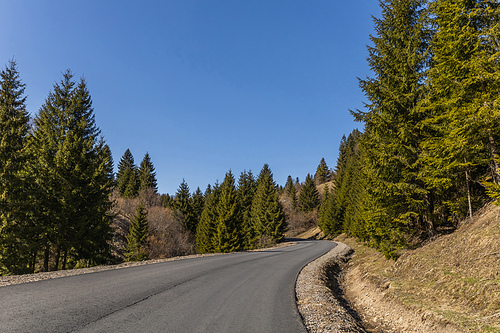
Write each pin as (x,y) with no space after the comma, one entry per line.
(452,282)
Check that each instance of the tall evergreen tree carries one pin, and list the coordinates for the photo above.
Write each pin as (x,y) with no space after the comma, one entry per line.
(183,203)
(268,218)
(127,176)
(325,213)
(464,121)
(72,174)
(291,192)
(147,175)
(198,203)
(207,227)
(246,191)
(16,229)
(229,217)
(309,196)
(321,172)
(136,246)
(398,58)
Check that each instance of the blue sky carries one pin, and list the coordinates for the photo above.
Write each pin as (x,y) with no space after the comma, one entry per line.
(203,86)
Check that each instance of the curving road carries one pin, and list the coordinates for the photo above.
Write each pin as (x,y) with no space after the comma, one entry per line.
(239,292)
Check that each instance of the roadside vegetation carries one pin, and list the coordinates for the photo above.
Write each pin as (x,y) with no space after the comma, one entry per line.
(455,278)
(427,157)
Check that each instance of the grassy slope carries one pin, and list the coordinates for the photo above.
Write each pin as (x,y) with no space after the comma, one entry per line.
(457,276)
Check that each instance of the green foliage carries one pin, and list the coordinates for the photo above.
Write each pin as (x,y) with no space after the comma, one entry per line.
(309,196)
(227,235)
(267,214)
(291,192)
(207,226)
(463,103)
(147,175)
(127,178)
(16,226)
(72,167)
(247,186)
(136,247)
(198,203)
(431,125)
(183,203)
(321,172)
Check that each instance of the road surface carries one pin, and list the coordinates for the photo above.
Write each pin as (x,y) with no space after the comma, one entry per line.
(238,292)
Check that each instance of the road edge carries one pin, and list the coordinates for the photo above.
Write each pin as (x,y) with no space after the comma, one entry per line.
(321,310)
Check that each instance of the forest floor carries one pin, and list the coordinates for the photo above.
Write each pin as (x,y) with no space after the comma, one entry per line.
(451,284)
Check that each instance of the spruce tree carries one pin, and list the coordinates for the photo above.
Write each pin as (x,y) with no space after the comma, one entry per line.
(268,218)
(147,175)
(325,212)
(464,121)
(136,247)
(309,196)
(291,192)
(17,241)
(198,203)
(183,204)
(229,217)
(321,172)
(207,227)
(246,191)
(127,176)
(72,169)
(393,134)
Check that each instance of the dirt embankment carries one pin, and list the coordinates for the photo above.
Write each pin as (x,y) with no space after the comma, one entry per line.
(452,284)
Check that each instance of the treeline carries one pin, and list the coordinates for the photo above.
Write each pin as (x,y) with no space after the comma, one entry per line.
(61,206)
(56,177)
(230,217)
(428,155)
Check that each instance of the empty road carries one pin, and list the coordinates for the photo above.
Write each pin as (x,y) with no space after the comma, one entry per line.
(238,292)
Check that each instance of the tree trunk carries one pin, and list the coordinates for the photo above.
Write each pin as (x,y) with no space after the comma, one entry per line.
(33,262)
(46,259)
(65,257)
(467,180)
(58,255)
(494,154)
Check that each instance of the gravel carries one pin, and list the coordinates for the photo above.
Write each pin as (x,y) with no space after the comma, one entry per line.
(319,298)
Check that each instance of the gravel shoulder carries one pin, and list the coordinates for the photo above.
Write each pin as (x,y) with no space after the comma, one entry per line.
(319,297)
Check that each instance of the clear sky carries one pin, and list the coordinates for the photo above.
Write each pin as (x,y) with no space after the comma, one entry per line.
(204,86)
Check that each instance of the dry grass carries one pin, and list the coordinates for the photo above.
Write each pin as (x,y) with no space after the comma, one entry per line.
(455,277)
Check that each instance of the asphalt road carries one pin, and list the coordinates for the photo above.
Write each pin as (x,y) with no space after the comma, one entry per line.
(238,292)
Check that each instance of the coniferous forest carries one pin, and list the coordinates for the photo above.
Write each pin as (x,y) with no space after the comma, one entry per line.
(427,156)
(63,207)
(425,159)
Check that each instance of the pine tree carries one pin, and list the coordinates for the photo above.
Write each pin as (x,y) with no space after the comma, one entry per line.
(393,134)
(127,176)
(167,201)
(246,191)
(183,204)
(229,217)
(198,203)
(291,192)
(16,228)
(268,218)
(147,175)
(136,247)
(206,229)
(309,196)
(465,81)
(321,172)
(72,170)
